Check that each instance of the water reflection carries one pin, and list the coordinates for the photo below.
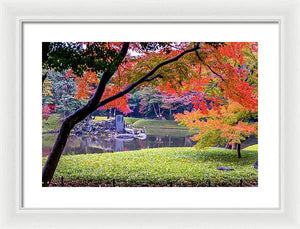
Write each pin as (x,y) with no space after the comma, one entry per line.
(93,144)
(102,144)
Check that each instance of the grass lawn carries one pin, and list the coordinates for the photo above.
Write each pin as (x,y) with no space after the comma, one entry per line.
(164,127)
(130,120)
(48,140)
(159,167)
(178,132)
(152,123)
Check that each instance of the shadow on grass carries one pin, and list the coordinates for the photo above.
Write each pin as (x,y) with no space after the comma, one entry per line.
(224,156)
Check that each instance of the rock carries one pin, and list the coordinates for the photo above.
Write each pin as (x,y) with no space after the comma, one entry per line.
(224,168)
(256,165)
(51,132)
(119,123)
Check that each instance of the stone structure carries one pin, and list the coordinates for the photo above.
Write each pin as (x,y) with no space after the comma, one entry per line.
(224,168)
(120,123)
(256,165)
(111,128)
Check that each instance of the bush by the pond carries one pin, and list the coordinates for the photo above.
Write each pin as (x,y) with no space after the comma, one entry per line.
(100,118)
(159,167)
(52,123)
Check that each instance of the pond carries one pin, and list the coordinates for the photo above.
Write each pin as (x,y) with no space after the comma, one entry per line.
(94,144)
(102,144)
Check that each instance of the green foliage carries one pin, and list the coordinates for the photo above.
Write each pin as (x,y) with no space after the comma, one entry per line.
(209,138)
(100,118)
(48,140)
(151,103)
(252,62)
(62,93)
(156,104)
(79,56)
(134,104)
(160,167)
(52,123)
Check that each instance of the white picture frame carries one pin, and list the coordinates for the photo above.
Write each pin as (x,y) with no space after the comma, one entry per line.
(12,216)
(265,196)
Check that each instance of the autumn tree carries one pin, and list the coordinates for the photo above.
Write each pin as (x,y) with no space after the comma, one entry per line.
(222,113)
(227,125)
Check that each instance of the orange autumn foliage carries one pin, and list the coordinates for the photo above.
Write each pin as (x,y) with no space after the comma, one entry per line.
(86,87)
(224,125)
(222,77)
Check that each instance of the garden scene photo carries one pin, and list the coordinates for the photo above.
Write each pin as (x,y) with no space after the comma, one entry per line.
(149,114)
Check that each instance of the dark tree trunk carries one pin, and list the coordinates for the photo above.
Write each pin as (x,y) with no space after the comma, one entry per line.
(238,148)
(61,140)
(44,76)
(45,51)
(228,146)
(56,152)
(76,117)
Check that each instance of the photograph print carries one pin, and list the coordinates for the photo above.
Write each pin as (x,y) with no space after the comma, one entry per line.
(149,114)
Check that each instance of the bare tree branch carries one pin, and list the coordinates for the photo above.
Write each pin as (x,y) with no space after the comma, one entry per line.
(220,76)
